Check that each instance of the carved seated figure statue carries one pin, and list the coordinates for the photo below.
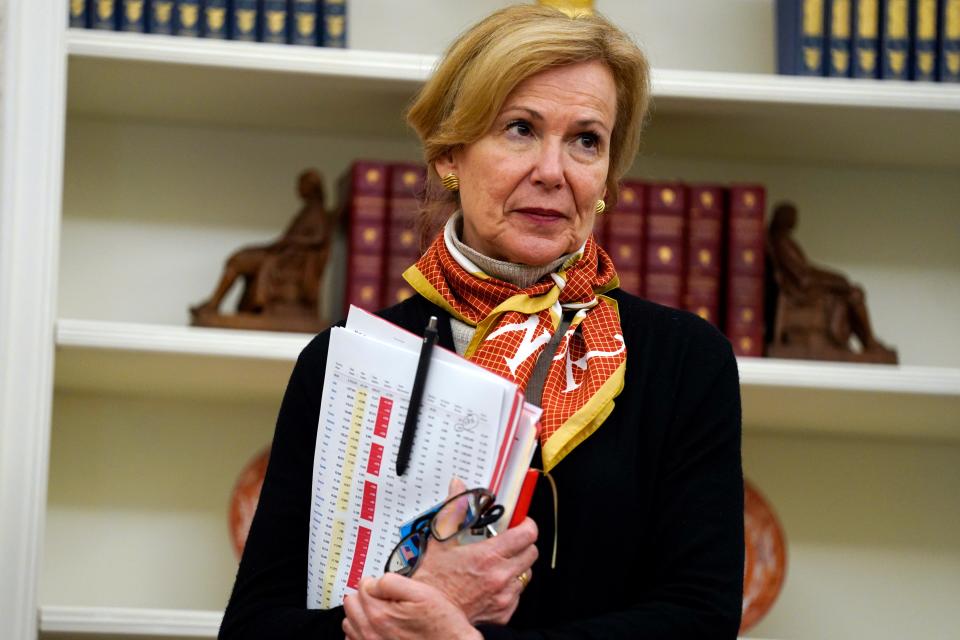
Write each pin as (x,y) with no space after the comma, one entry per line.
(281,280)
(818,310)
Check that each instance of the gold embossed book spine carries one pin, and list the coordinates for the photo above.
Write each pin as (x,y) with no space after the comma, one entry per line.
(103,14)
(133,16)
(895,40)
(216,19)
(161,17)
(924,52)
(866,39)
(334,23)
(623,233)
(665,234)
(801,37)
(403,246)
(363,198)
(705,231)
(746,240)
(79,15)
(839,27)
(949,41)
(304,23)
(274,28)
(187,20)
(245,24)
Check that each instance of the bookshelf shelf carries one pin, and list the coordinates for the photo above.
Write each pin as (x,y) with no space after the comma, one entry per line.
(737,115)
(145,359)
(780,395)
(136,622)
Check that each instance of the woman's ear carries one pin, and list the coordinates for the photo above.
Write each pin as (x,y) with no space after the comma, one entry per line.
(445,164)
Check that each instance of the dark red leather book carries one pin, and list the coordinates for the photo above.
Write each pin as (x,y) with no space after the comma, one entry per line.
(745,269)
(403,248)
(706,204)
(665,263)
(623,229)
(363,190)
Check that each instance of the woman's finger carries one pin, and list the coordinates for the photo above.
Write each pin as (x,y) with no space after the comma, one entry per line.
(395,587)
(515,540)
(349,630)
(452,516)
(353,606)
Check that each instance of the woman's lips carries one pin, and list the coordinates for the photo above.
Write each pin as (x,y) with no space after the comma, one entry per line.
(541,215)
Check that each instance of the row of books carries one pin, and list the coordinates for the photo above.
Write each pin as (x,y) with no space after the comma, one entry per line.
(695,247)
(698,247)
(379,202)
(302,22)
(888,39)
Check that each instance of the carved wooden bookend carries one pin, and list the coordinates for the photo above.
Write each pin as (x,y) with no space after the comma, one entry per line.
(281,280)
(818,311)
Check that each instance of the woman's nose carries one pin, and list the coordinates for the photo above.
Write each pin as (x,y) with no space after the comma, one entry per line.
(548,170)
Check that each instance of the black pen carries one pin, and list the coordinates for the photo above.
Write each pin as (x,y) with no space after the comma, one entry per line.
(416,396)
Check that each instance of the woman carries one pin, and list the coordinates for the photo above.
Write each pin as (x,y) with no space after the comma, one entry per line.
(529,122)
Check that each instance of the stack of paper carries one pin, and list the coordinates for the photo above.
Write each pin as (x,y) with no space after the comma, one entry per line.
(473,424)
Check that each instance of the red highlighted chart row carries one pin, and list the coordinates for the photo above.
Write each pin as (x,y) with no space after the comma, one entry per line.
(383,417)
(359,557)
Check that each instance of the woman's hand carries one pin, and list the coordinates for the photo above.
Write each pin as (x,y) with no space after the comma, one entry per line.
(398,608)
(481,578)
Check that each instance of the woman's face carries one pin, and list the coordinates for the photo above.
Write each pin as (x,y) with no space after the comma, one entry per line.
(528,187)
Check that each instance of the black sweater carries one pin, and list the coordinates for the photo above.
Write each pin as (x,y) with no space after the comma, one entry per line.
(650,505)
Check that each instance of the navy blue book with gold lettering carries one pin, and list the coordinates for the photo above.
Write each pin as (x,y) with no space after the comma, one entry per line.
(187,20)
(801,37)
(103,14)
(214,21)
(839,24)
(245,24)
(895,61)
(303,22)
(79,16)
(949,47)
(334,28)
(925,40)
(133,16)
(273,27)
(161,17)
(866,39)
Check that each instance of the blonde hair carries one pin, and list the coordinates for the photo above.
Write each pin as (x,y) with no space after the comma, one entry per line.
(458,104)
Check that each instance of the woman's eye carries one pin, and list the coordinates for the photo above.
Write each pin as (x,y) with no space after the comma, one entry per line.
(589,140)
(520,127)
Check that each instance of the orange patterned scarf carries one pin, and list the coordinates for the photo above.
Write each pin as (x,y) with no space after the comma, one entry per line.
(514,325)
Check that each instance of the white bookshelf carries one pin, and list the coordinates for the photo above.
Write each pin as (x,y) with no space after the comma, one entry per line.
(174,152)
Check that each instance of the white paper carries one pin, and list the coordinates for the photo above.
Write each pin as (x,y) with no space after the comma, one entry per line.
(358,501)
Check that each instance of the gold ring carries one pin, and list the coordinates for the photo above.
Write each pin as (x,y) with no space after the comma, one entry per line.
(524,579)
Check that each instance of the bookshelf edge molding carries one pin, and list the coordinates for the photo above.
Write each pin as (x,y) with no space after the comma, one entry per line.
(129,336)
(808,91)
(850,377)
(32,117)
(404,67)
(668,84)
(925,395)
(122,621)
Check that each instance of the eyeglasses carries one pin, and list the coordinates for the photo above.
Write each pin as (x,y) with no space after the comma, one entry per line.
(472,510)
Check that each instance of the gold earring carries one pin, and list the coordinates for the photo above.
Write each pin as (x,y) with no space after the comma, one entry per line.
(600,207)
(451,182)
